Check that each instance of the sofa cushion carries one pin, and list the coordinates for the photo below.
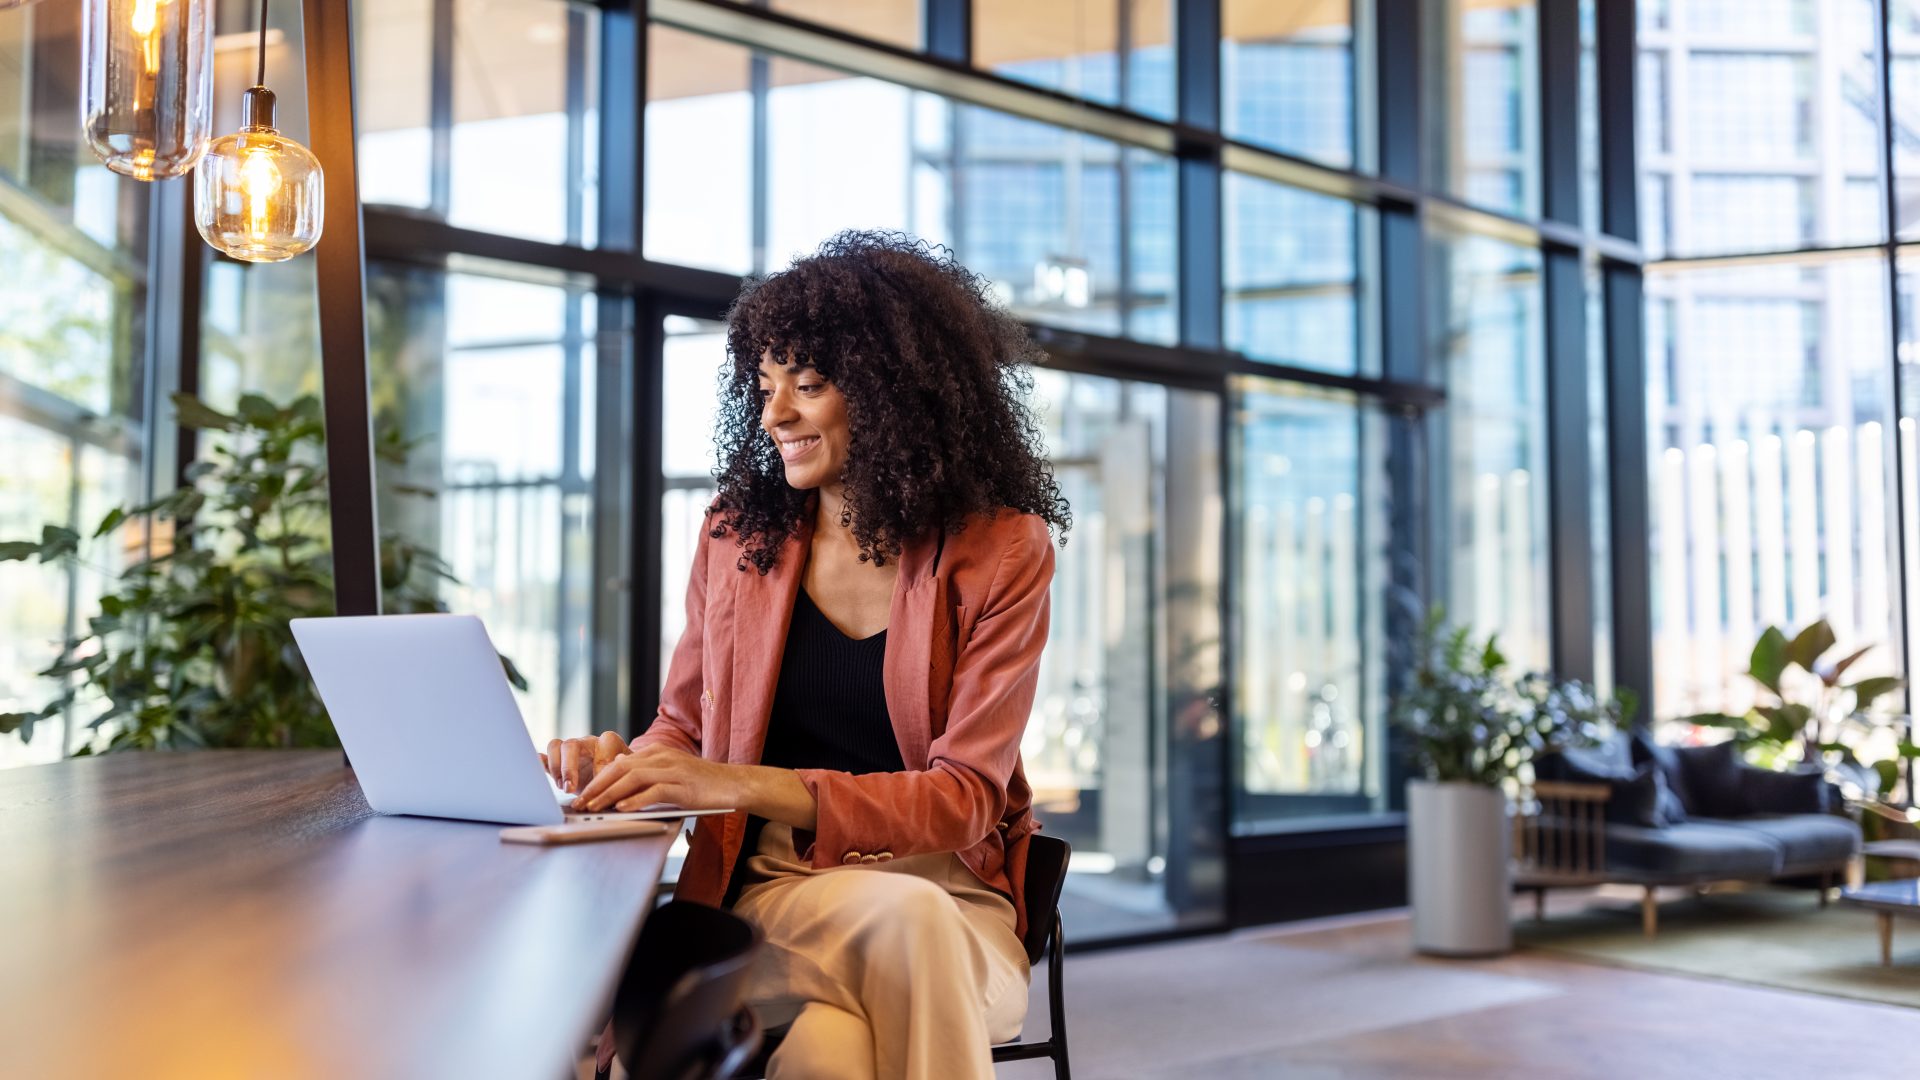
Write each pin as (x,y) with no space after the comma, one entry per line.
(1713,780)
(1644,800)
(1693,851)
(1667,760)
(1797,792)
(1806,841)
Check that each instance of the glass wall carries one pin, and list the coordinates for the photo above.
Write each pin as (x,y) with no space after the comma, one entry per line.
(1115,52)
(1775,438)
(1310,473)
(1770,411)
(1074,231)
(1758,127)
(1483,144)
(1288,77)
(1295,292)
(482,113)
(1487,337)
(73,364)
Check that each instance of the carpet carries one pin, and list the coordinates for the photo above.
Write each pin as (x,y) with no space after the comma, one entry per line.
(1766,936)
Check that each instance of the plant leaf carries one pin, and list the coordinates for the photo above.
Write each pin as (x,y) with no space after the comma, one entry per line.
(194,413)
(1866,690)
(18,550)
(111,522)
(1769,659)
(1841,667)
(258,411)
(1808,644)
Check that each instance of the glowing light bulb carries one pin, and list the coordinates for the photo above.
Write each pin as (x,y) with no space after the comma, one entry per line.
(146,84)
(259,180)
(258,196)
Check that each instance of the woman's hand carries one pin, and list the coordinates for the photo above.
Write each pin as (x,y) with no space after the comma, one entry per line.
(660,774)
(573,763)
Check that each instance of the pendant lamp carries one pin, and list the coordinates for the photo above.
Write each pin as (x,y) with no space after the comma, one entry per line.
(257,196)
(146,100)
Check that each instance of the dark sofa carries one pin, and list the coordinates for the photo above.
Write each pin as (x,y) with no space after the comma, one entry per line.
(1699,815)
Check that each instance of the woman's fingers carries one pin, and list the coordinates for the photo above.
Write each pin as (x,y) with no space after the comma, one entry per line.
(607,747)
(551,759)
(571,763)
(650,795)
(626,783)
(615,769)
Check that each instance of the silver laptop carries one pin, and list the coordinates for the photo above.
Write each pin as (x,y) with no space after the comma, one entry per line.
(425,712)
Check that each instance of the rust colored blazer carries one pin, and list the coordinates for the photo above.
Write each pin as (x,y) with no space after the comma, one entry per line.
(964,635)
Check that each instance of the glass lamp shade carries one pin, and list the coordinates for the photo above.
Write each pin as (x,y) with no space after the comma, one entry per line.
(258,196)
(146,99)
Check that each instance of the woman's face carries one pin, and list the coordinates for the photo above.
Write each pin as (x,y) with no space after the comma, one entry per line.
(807,418)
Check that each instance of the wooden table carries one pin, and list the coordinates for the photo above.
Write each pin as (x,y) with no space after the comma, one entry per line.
(1886,899)
(232,914)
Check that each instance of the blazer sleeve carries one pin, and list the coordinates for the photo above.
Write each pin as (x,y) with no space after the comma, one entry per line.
(677,723)
(958,799)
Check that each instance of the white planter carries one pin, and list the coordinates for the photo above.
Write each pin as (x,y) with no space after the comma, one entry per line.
(1458,880)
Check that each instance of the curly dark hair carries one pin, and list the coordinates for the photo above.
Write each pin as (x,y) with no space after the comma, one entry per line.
(933,373)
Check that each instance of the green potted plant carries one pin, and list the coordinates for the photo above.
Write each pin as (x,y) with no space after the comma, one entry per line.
(1471,730)
(1808,715)
(192,646)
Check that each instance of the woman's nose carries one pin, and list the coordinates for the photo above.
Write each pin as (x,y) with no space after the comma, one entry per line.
(778,408)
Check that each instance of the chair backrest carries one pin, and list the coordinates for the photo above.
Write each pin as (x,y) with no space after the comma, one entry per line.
(1046,876)
(675,1014)
(1560,833)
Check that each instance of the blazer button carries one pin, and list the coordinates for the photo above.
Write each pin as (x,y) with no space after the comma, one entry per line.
(884,856)
(869,858)
(850,858)
(1001,825)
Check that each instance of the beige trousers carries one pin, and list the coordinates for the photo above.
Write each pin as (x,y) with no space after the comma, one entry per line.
(906,968)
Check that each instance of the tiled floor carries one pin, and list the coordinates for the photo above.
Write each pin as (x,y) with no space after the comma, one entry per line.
(1348,999)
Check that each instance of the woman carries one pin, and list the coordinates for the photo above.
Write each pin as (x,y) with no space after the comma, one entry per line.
(865,617)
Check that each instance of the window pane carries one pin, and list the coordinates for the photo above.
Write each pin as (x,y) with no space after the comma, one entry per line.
(1287,76)
(494,129)
(1294,289)
(1759,124)
(896,22)
(1770,470)
(494,412)
(1053,217)
(73,241)
(1492,472)
(692,365)
(1116,52)
(1310,474)
(1123,744)
(1485,144)
(1904,40)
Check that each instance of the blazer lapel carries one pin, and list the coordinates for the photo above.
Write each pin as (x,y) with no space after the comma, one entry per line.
(912,623)
(763,609)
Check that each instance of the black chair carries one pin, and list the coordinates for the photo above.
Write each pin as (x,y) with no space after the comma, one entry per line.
(680,1012)
(1046,876)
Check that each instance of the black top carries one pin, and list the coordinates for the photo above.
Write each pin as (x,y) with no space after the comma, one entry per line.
(830,706)
(829,709)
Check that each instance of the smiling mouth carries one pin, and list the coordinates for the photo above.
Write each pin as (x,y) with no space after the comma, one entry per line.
(790,449)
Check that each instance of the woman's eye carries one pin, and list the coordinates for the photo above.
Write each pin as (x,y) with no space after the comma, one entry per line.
(811,388)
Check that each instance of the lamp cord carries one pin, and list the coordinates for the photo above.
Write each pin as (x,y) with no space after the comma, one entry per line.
(261,80)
